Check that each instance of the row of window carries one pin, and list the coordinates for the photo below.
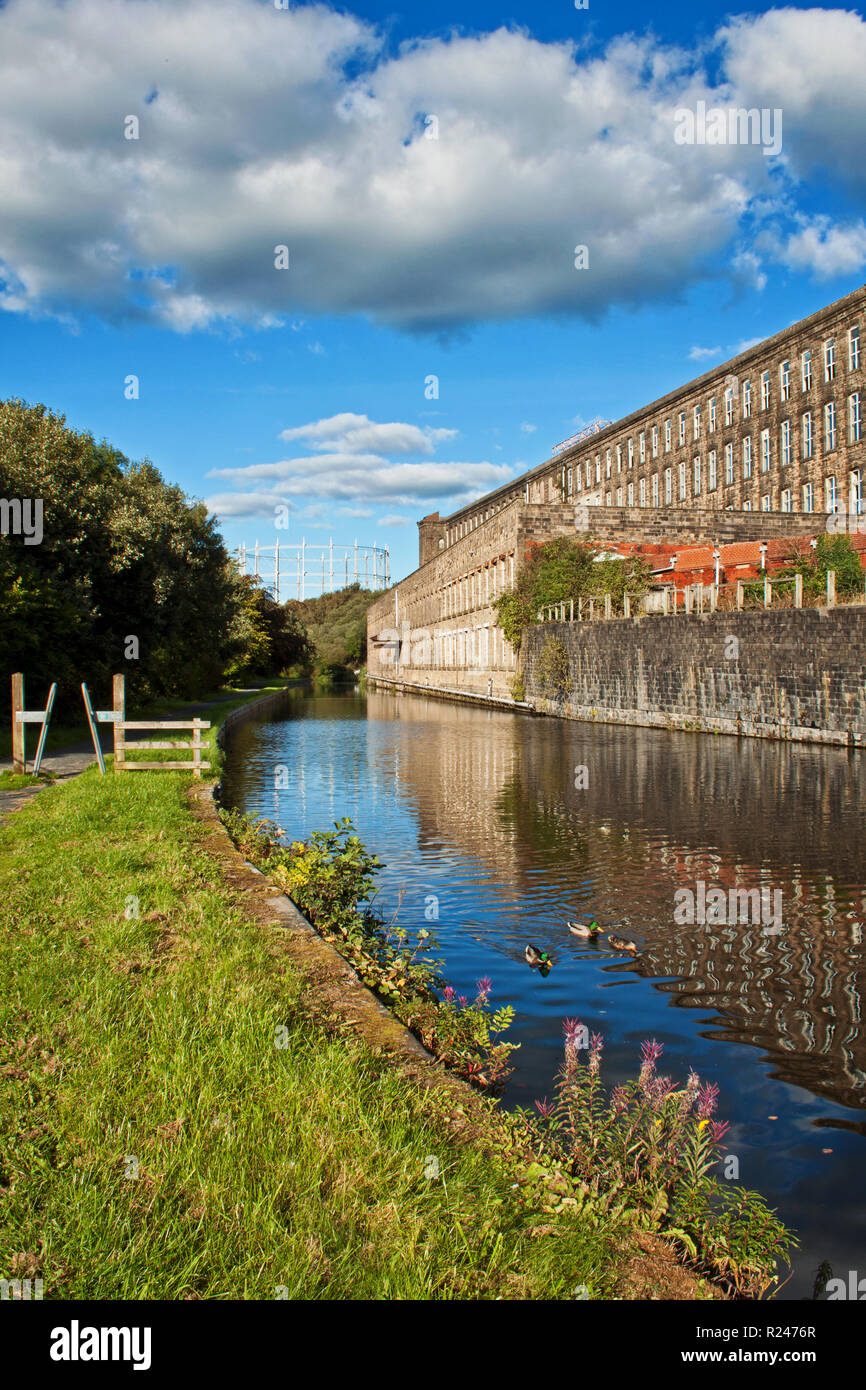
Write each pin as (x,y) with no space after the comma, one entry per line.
(649,490)
(572,478)
(623,456)
(481,586)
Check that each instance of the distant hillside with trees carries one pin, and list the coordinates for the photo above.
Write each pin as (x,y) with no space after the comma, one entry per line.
(336,626)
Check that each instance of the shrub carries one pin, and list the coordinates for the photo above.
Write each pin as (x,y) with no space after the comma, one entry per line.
(331,877)
(646,1152)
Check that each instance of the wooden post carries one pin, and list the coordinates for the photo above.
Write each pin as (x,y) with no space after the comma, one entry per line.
(19,746)
(798,591)
(196,748)
(831,587)
(768,592)
(714,597)
(626,605)
(740,593)
(687,598)
(571,610)
(591,609)
(666,594)
(118,701)
(608,605)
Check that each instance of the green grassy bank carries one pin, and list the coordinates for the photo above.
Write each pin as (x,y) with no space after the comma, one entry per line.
(155,1142)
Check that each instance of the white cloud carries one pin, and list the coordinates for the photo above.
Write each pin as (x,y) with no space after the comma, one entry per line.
(527,428)
(700,354)
(297,127)
(392,520)
(824,249)
(349,433)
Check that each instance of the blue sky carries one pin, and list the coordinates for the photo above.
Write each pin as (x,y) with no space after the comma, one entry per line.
(409,256)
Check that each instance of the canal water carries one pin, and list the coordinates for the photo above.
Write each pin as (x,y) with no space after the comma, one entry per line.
(508,825)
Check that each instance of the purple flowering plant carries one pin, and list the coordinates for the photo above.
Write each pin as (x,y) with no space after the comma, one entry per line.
(647,1152)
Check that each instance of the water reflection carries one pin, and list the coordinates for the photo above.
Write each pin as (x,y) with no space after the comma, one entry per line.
(512,824)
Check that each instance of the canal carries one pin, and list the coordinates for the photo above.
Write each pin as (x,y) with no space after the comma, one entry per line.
(508,825)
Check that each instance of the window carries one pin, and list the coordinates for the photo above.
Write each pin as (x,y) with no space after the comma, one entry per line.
(607,464)
(786,500)
(619,497)
(831,494)
(570,482)
(641,446)
(667,436)
(711,471)
(786,443)
(655,444)
(642,492)
(785,381)
(854,418)
(669,485)
(729,464)
(830,360)
(747,399)
(808,497)
(630,452)
(597,467)
(696,477)
(712,424)
(619,458)
(765,390)
(829,427)
(747,458)
(681,427)
(765,451)
(578,477)
(683,481)
(655,489)
(765,502)
(857,492)
(806,369)
(729,406)
(808,437)
(608,499)
(854,348)
(747,506)
(630,495)
(588,473)
(696,422)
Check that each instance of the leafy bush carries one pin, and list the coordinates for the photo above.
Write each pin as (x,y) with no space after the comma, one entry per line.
(336,625)
(646,1153)
(562,570)
(331,877)
(831,553)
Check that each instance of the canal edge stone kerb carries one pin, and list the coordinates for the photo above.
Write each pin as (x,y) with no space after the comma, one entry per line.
(335,992)
(336,987)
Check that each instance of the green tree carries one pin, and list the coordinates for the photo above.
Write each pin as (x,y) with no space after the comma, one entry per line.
(562,570)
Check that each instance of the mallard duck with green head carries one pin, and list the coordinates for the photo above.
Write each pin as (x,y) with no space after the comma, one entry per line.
(588,931)
(537,958)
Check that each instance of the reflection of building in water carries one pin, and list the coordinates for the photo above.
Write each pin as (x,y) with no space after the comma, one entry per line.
(662,812)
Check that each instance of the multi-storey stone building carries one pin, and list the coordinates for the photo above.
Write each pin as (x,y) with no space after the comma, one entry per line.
(763,445)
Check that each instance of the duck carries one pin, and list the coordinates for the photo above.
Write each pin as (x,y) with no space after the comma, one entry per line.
(622,943)
(535,956)
(588,930)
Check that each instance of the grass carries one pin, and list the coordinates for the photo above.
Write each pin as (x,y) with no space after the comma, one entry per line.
(156,1143)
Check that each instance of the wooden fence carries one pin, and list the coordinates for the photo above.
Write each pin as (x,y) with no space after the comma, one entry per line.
(698,598)
(120,724)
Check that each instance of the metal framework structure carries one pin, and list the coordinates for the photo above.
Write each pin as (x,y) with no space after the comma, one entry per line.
(307,571)
(594,427)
